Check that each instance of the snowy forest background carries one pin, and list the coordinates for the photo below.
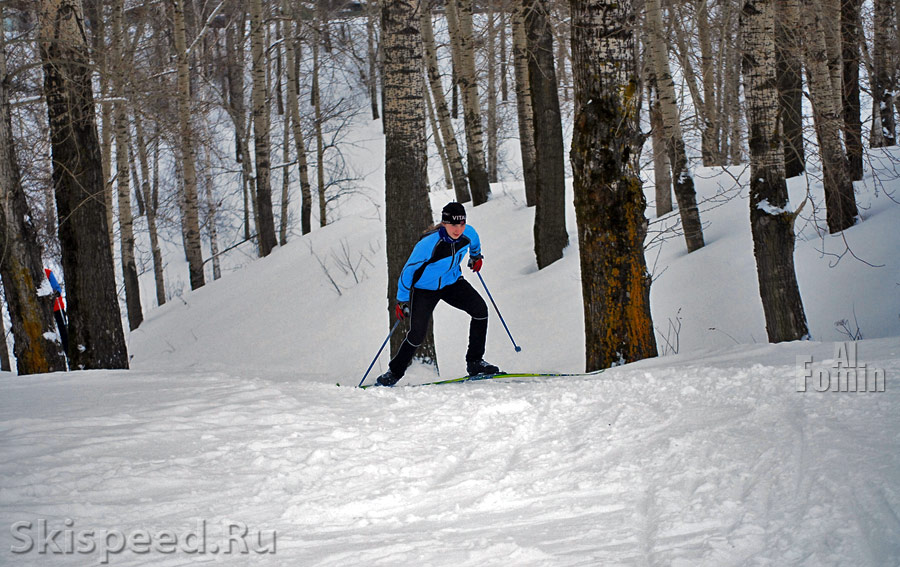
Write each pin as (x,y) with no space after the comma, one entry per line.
(234,288)
(235,123)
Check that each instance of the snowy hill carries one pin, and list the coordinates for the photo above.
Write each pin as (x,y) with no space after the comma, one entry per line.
(230,417)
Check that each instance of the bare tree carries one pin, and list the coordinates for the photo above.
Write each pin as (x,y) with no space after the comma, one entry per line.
(840,202)
(265,214)
(460,182)
(884,126)
(550,236)
(122,137)
(789,69)
(770,221)
(407,208)
(188,154)
(459,16)
(609,197)
(851,36)
(95,326)
(681,175)
(524,109)
(30,313)
(293,102)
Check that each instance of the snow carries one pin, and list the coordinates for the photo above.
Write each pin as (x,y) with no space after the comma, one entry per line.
(230,417)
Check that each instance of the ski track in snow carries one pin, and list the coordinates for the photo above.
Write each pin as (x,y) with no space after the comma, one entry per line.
(682,464)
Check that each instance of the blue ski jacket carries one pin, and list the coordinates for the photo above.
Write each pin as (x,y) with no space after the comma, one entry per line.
(434,262)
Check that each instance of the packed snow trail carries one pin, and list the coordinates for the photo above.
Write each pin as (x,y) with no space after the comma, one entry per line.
(668,462)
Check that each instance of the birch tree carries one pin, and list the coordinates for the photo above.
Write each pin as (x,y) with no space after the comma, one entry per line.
(771,222)
(187,153)
(840,202)
(293,104)
(884,128)
(458,172)
(459,16)
(609,197)
(265,215)
(123,186)
(681,175)
(95,325)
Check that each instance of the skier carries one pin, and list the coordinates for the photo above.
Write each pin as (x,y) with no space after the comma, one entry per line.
(59,310)
(432,274)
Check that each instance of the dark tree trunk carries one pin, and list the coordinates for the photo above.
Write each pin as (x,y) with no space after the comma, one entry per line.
(772,225)
(95,323)
(609,197)
(265,214)
(789,70)
(523,104)
(850,38)
(31,314)
(550,236)
(407,207)
(840,201)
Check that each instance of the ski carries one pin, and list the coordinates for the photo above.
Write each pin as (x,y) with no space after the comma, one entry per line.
(498,375)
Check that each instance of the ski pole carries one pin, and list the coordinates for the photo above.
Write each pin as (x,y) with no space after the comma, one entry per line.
(517,347)
(366,375)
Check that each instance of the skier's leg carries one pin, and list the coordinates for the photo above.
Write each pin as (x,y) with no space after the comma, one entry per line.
(421,306)
(463,296)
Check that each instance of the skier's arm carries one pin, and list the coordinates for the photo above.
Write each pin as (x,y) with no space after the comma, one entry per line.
(420,255)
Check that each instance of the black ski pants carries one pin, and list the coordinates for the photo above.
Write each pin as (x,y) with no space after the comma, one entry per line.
(421,305)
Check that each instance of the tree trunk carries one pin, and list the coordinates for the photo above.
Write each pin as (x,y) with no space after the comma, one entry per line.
(372,57)
(458,172)
(211,227)
(850,39)
(491,54)
(550,236)
(265,214)
(883,97)
(771,222)
(407,208)
(710,136)
(30,312)
(5,366)
(151,208)
(504,62)
(293,102)
(461,10)
(789,77)
(317,109)
(523,104)
(662,172)
(681,176)
(95,325)
(123,170)
(285,178)
(609,197)
(840,202)
(439,144)
(191,217)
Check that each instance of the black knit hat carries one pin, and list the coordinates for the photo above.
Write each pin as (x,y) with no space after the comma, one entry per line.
(453,213)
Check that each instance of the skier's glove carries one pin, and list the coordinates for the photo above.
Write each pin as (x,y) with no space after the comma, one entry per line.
(402,310)
(475,263)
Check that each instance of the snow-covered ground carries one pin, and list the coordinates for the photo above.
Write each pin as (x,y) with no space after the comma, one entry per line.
(230,418)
